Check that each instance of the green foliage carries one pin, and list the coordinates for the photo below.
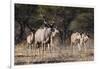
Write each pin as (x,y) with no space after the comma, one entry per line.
(83,22)
(65,18)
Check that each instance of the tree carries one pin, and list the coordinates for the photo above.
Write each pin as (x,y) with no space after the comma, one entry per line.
(65,18)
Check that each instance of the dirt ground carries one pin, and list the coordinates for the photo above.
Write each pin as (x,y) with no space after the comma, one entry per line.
(24,55)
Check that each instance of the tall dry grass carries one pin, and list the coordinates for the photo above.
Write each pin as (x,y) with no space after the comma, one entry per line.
(58,53)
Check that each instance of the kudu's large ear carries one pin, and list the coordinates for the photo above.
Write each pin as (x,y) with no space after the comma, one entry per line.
(56,27)
(52,25)
(45,23)
(44,19)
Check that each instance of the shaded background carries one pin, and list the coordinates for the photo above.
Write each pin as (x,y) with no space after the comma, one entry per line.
(67,19)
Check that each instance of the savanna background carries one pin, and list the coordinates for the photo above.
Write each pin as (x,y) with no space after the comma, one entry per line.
(67,19)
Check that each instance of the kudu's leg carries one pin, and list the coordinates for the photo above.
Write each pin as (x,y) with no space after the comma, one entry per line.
(35,49)
(42,51)
(79,47)
(28,53)
(85,47)
(72,47)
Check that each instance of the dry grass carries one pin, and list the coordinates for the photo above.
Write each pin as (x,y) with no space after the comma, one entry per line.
(23,55)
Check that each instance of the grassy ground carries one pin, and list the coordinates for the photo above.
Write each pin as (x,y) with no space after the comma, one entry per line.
(23,55)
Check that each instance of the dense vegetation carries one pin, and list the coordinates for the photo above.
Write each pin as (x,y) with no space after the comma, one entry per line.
(67,19)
